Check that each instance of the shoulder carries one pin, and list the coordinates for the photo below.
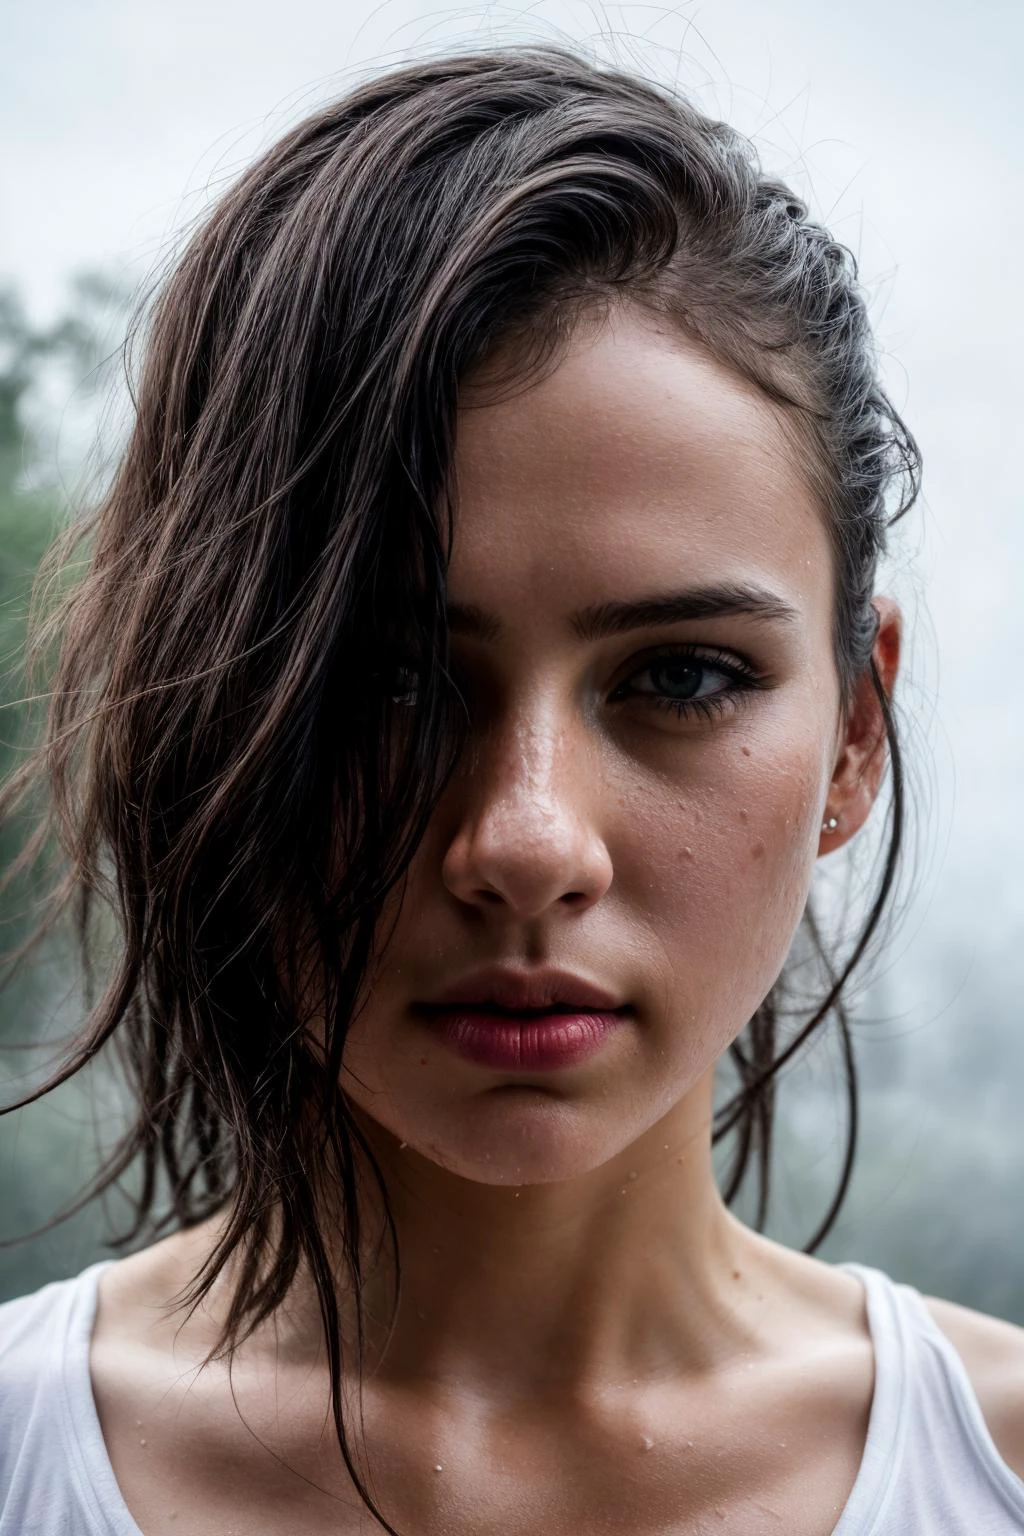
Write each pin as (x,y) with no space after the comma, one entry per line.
(37,1392)
(992,1352)
(27,1336)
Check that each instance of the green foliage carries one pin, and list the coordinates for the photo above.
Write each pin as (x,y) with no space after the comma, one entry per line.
(48,1151)
(29,519)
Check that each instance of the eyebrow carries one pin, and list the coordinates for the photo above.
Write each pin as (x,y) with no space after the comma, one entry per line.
(616,618)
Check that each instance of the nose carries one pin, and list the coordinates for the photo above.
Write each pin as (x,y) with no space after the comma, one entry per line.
(525,842)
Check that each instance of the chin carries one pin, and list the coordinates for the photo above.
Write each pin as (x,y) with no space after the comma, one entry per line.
(515,1135)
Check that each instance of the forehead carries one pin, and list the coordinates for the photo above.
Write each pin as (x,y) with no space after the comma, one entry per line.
(638,458)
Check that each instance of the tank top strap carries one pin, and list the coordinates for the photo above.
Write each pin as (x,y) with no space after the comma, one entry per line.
(930,1463)
(887,1423)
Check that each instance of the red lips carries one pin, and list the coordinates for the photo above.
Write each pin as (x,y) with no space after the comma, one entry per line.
(511,1020)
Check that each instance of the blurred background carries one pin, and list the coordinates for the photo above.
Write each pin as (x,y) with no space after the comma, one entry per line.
(900,123)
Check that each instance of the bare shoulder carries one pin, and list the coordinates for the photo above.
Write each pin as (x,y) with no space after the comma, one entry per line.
(993,1355)
(141,1296)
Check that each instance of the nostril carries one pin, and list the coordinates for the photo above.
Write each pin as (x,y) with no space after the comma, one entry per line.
(500,869)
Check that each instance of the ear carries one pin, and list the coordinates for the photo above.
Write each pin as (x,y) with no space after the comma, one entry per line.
(861,752)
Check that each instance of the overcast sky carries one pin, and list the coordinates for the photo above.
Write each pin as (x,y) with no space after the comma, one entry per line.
(900,121)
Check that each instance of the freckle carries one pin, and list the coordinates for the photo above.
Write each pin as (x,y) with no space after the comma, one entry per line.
(745,751)
(423,1061)
(736,1274)
(757,850)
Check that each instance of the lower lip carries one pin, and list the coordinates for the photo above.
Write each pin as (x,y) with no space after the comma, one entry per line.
(525,1043)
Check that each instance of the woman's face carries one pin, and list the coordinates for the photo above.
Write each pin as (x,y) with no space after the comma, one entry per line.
(641,617)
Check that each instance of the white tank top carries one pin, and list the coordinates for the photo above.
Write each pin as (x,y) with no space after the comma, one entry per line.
(930,1467)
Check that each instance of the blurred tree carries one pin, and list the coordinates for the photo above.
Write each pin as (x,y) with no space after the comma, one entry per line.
(28,521)
(45,1152)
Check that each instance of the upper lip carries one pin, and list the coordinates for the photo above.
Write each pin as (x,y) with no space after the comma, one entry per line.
(502,987)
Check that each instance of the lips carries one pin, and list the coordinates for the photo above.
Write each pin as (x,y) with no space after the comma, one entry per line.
(523,1021)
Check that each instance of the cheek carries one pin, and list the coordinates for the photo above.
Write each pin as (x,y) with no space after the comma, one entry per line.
(721,869)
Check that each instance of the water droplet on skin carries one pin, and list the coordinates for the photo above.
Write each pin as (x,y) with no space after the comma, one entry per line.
(142,1442)
(402,1146)
(438,1467)
(138,1423)
(633,1177)
(647,1443)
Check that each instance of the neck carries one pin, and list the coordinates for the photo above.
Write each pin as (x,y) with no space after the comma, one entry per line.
(634,1269)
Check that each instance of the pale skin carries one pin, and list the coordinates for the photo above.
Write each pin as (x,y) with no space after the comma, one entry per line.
(587,1340)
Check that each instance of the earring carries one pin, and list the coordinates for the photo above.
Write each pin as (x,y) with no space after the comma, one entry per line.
(831,824)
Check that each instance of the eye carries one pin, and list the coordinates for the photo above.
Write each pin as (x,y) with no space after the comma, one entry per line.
(689,680)
(396,680)
(404,685)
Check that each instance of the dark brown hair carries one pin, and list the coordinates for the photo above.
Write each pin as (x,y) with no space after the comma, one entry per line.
(224,766)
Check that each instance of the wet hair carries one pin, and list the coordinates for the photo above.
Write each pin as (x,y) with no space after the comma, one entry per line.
(231,761)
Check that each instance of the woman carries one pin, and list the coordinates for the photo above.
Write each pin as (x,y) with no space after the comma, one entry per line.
(478,649)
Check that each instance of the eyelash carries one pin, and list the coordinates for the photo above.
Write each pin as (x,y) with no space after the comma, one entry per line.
(743,679)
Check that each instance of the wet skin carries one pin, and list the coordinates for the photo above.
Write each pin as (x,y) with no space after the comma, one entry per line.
(600,823)
(587,1340)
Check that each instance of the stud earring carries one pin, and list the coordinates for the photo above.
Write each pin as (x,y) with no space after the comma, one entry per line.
(831,824)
